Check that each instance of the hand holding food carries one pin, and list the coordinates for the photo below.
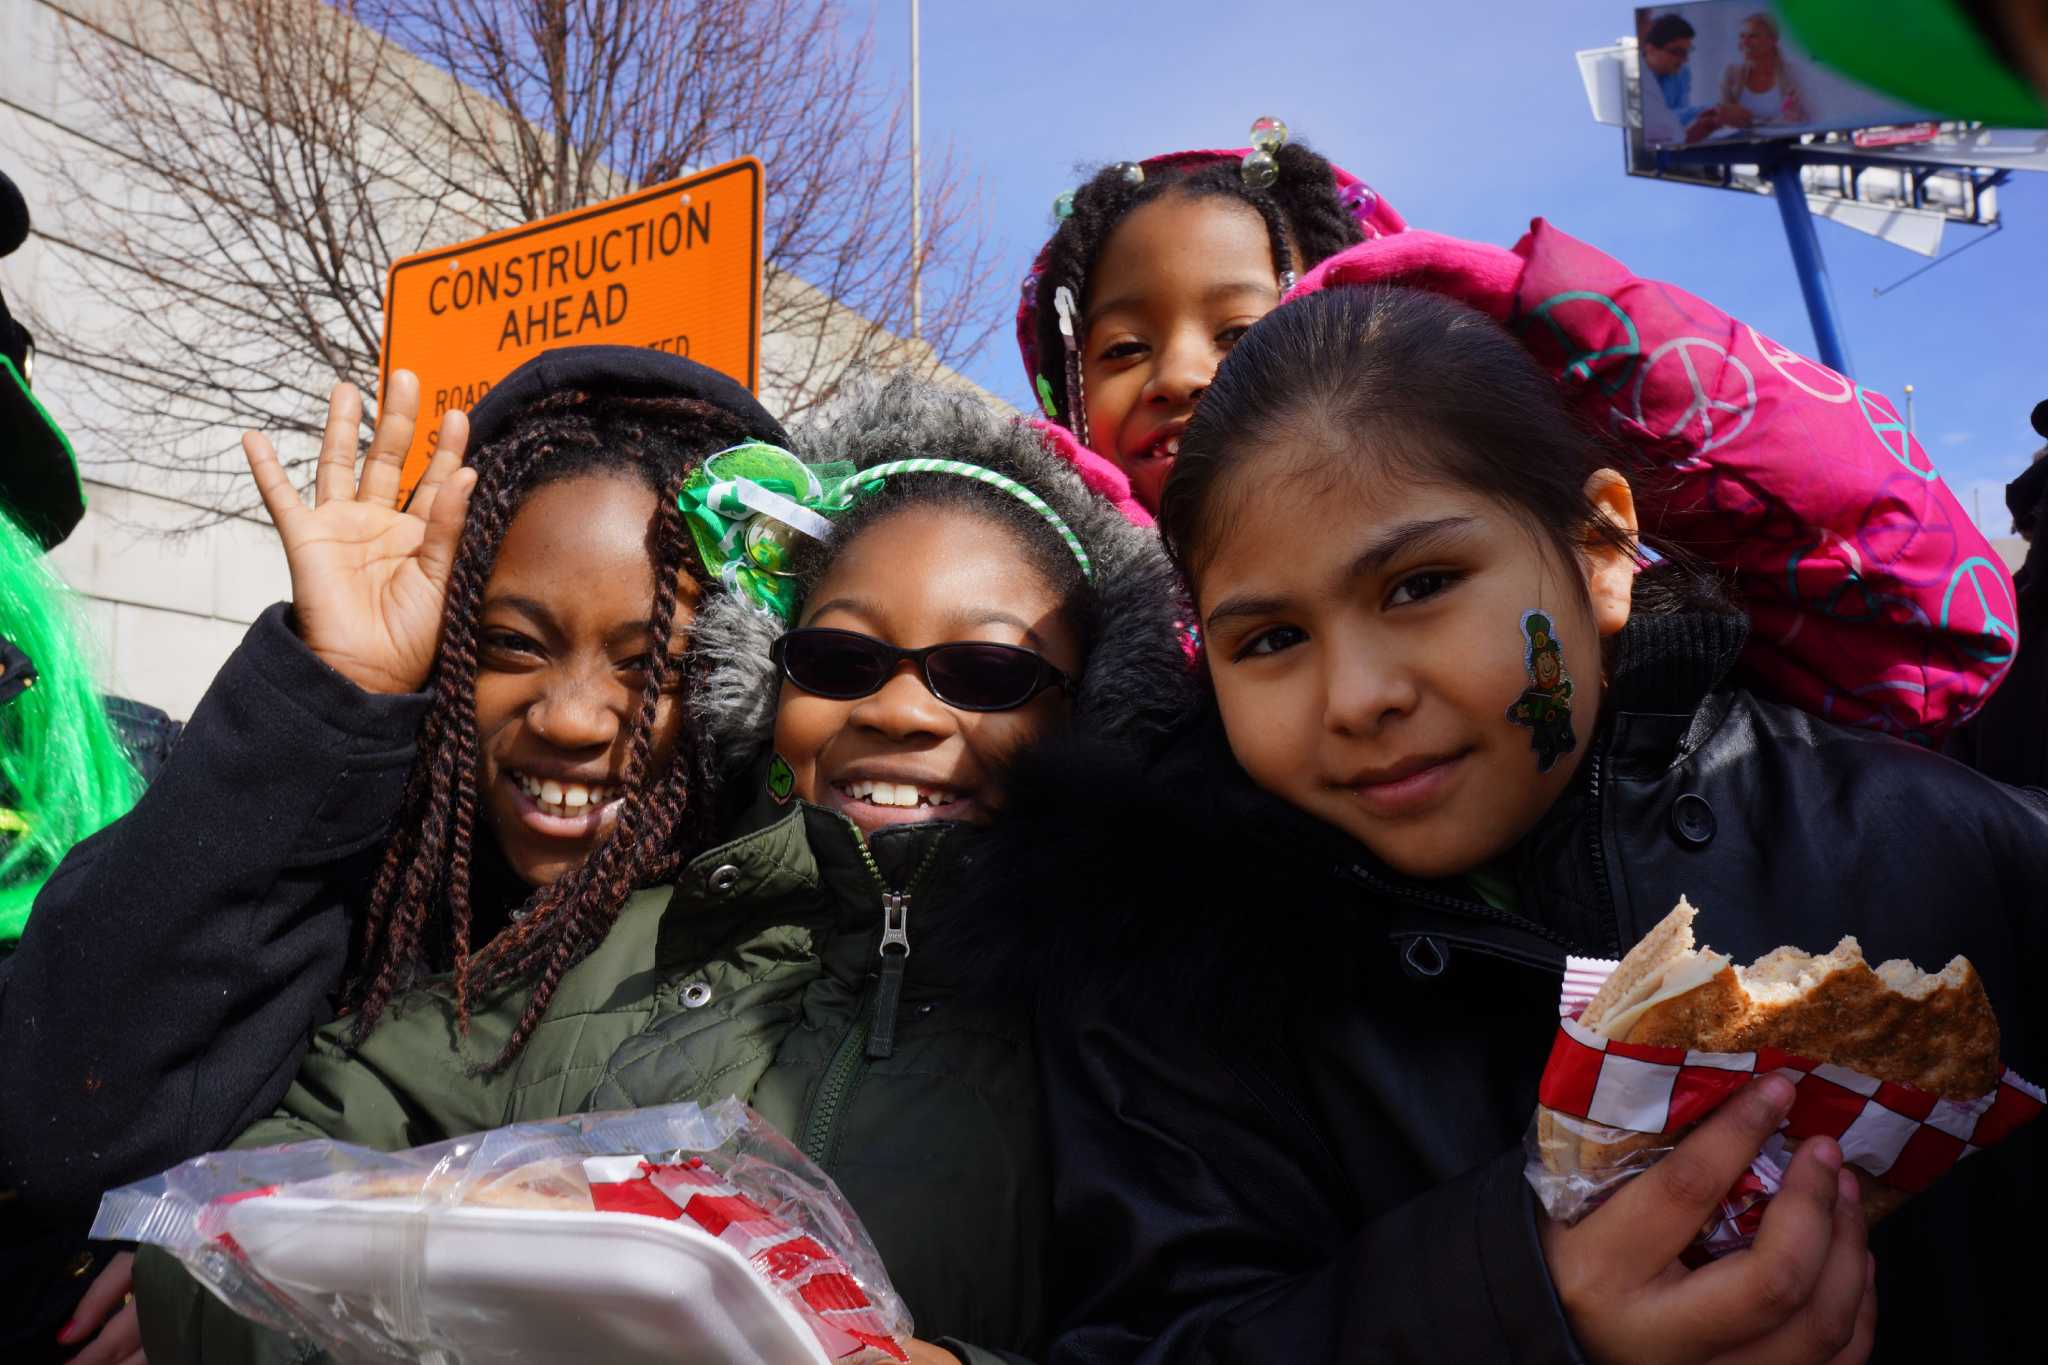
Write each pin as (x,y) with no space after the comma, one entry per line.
(1802,1292)
(1898,1066)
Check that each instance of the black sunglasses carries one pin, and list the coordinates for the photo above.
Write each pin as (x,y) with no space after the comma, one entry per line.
(966,675)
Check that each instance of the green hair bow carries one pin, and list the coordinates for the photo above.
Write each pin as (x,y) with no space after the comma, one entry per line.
(746,505)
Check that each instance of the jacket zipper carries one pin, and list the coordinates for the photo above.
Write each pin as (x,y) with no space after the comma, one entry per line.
(875,1015)
(1596,806)
(889,989)
(1436,900)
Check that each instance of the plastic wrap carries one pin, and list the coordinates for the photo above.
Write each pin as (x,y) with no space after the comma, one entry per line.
(1608,1111)
(678,1233)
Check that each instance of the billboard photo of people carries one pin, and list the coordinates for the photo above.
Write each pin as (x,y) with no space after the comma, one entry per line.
(1727,71)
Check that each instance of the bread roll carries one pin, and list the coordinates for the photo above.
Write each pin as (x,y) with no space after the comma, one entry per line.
(1934,1031)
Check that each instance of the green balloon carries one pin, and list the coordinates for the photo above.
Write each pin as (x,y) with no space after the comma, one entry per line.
(1926,52)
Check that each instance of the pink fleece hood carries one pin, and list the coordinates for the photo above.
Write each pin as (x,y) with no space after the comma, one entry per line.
(1874,600)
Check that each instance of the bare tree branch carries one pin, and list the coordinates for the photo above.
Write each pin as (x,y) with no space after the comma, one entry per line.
(264,162)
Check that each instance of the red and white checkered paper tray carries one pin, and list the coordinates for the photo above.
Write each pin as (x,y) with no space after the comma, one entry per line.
(650,1235)
(1632,1103)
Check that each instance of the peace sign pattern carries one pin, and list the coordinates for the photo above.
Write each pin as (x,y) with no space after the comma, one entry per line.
(1874,600)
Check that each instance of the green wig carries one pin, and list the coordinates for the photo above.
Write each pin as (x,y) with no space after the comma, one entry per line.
(63,772)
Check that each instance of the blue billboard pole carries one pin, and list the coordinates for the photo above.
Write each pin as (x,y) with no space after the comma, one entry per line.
(1807,262)
(1780,166)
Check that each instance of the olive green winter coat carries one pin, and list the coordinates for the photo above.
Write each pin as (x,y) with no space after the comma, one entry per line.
(759,974)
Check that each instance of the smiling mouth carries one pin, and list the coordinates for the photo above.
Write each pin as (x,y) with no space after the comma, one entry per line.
(1165,448)
(1407,788)
(563,800)
(897,795)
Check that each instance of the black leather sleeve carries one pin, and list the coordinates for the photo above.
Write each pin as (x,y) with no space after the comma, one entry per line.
(177,961)
(1196,1225)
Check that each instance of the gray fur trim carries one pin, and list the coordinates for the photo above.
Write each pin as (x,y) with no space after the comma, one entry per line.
(735,695)
(1137,685)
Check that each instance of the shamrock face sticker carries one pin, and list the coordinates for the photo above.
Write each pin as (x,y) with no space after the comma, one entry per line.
(1545,706)
(781,780)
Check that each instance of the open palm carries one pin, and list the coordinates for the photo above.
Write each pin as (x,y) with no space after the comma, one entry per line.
(369,578)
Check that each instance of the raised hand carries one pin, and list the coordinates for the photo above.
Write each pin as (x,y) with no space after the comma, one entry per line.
(1802,1293)
(369,579)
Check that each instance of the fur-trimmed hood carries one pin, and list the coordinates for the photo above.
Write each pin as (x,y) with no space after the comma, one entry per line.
(1138,683)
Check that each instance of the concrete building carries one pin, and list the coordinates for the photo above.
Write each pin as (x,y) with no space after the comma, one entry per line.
(168,601)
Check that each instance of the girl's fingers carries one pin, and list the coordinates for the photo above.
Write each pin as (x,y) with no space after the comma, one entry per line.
(395,423)
(1654,1217)
(1833,1317)
(1769,1297)
(101,1298)
(280,499)
(336,476)
(448,451)
(1865,1341)
(118,1343)
(444,528)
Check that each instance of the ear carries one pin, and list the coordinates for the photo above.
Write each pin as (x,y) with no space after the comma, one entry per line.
(1610,568)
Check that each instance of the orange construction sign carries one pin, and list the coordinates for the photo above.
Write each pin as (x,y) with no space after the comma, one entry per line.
(676,267)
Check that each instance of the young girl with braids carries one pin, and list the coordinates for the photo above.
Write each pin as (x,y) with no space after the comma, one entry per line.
(853,703)
(1155,269)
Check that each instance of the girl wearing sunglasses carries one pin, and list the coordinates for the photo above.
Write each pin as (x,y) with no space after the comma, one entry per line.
(853,703)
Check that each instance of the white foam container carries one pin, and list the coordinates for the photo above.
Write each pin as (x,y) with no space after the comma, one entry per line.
(466,1285)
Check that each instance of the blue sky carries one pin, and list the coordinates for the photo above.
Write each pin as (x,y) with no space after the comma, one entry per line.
(1469,117)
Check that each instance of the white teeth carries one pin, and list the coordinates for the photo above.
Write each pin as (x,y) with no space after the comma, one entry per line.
(1173,446)
(903,795)
(562,798)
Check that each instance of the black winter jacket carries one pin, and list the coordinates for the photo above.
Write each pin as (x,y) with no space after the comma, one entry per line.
(137,1030)
(1287,1089)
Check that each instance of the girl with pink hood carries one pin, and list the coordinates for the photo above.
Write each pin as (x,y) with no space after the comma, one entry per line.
(1155,270)
(1876,602)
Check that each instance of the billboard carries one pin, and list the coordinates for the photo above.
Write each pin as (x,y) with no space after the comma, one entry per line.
(675,267)
(1727,71)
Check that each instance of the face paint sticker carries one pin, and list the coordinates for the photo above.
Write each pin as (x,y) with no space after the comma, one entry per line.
(1545,706)
(781,780)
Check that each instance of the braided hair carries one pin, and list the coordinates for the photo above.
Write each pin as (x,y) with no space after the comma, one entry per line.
(420,911)
(1304,218)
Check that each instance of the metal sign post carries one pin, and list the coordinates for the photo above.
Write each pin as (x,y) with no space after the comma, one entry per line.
(1777,123)
(1795,172)
(1809,264)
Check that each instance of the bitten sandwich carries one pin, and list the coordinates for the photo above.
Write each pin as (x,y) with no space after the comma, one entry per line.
(1932,1031)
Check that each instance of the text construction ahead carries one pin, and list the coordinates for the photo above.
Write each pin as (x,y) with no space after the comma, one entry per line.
(675,267)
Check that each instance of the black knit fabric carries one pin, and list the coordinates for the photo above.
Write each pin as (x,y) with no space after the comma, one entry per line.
(1668,663)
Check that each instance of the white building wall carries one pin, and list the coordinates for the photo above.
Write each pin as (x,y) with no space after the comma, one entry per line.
(168,603)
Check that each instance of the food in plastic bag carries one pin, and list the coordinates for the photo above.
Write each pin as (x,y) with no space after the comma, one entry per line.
(673,1234)
(1899,1066)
